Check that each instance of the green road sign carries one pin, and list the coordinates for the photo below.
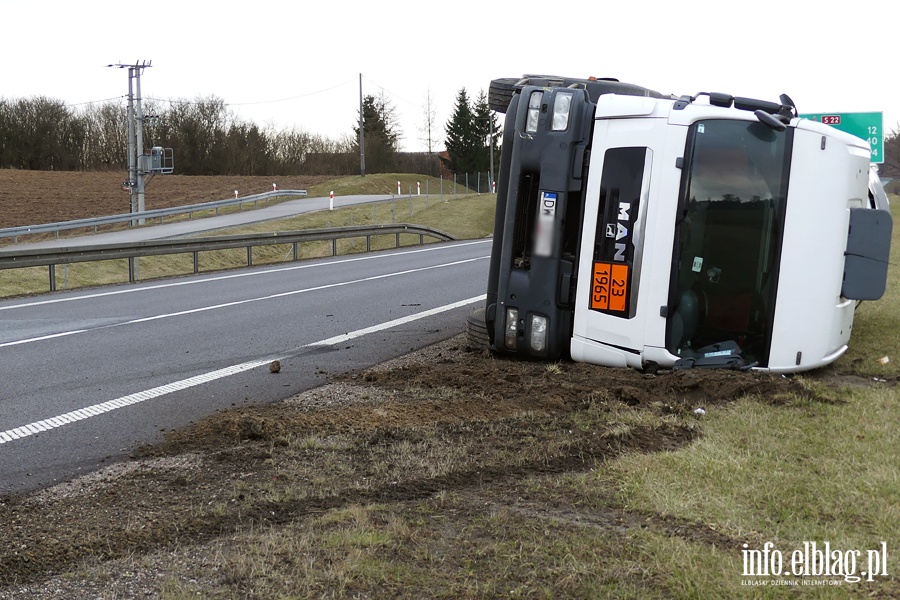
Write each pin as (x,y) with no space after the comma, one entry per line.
(867,126)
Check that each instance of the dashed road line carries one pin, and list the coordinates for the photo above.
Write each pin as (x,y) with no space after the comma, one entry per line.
(95,410)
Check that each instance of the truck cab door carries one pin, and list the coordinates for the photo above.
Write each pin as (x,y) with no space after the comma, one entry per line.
(626,245)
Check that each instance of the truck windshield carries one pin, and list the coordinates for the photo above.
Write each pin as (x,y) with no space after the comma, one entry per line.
(728,240)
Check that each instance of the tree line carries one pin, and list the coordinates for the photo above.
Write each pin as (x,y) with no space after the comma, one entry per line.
(891,166)
(45,134)
(41,133)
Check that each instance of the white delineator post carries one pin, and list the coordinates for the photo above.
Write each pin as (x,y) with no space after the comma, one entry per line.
(418,189)
(235,194)
(398,189)
(331,201)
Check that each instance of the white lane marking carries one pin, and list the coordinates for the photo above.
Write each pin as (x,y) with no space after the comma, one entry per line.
(43,337)
(132,290)
(338,339)
(105,407)
(177,386)
(240,302)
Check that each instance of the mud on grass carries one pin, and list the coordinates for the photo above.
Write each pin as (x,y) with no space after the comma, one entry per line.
(443,446)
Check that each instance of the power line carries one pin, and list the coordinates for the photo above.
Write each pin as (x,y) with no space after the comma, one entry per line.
(197,103)
(382,88)
(95,101)
(191,102)
(292,97)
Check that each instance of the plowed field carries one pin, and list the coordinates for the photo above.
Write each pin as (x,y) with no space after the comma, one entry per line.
(36,197)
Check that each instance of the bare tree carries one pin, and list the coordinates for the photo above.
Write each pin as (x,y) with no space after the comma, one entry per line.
(105,142)
(429,132)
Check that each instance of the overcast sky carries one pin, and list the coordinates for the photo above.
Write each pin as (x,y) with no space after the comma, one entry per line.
(297,64)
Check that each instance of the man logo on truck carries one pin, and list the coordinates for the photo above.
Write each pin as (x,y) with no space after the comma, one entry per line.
(622,231)
(610,284)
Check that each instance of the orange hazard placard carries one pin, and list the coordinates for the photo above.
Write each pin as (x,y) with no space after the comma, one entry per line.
(609,286)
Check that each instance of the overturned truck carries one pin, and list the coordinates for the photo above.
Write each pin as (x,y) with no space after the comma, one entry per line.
(642,230)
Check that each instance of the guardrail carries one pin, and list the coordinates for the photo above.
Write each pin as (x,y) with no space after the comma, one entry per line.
(159,213)
(17,259)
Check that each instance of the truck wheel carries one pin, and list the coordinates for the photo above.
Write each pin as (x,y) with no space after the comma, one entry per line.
(476,331)
(501,92)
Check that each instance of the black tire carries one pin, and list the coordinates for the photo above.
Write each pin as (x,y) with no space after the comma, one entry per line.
(501,91)
(476,331)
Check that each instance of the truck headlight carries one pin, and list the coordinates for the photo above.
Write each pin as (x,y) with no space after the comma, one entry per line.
(512,327)
(534,111)
(561,105)
(538,333)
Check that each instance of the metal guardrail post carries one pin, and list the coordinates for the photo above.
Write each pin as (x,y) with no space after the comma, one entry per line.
(249,256)
(52,278)
(196,262)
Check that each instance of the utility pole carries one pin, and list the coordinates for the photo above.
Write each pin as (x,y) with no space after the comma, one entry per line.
(362,137)
(139,138)
(491,145)
(135,147)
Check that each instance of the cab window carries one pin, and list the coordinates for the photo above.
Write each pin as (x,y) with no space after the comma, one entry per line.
(728,239)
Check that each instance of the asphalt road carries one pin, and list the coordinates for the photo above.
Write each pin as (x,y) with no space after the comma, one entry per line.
(86,377)
(281,210)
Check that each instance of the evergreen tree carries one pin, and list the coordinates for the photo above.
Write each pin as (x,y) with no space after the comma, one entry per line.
(382,134)
(891,166)
(488,129)
(469,138)
(462,137)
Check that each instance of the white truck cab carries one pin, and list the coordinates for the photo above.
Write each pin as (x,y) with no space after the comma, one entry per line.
(635,229)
